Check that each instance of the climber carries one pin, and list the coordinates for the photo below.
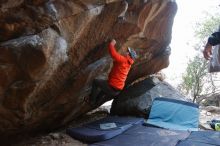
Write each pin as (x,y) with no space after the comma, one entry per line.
(117,76)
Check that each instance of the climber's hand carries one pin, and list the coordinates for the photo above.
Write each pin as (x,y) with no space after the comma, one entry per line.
(113,41)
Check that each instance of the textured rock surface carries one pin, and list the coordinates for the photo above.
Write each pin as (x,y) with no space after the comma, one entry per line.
(137,99)
(50,51)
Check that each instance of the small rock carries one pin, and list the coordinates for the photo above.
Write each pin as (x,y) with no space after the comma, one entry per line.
(203,112)
(208,114)
(55,136)
(43,142)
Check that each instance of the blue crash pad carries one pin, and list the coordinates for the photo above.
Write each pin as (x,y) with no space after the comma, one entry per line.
(202,138)
(103,129)
(174,114)
(140,135)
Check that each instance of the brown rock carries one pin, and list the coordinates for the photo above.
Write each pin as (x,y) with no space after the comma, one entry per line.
(50,52)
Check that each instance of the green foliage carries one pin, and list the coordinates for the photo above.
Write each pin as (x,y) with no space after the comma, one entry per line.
(195,77)
(206,27)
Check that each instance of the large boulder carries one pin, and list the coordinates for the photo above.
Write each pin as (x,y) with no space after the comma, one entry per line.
(51,50)
(136,100)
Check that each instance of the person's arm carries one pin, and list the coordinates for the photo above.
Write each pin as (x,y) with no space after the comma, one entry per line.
(114,54)
(207,52)
(213,40)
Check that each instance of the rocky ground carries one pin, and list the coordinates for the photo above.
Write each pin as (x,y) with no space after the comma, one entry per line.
(53,139)
(205,116)
(60,138)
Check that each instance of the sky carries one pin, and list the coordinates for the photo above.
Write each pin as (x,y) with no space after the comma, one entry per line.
(189,12)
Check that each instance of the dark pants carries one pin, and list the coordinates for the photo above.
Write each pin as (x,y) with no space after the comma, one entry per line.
(101,88)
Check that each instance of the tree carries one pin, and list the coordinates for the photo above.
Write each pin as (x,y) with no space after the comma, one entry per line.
(207,26)
(195,77)
(196,81)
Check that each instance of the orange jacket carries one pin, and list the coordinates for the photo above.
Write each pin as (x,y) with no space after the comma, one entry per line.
(120,69)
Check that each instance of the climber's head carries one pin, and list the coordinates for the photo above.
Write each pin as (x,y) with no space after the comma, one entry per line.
(132,53)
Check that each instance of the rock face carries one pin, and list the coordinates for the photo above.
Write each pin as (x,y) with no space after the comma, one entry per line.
(51,50)
(137,99)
